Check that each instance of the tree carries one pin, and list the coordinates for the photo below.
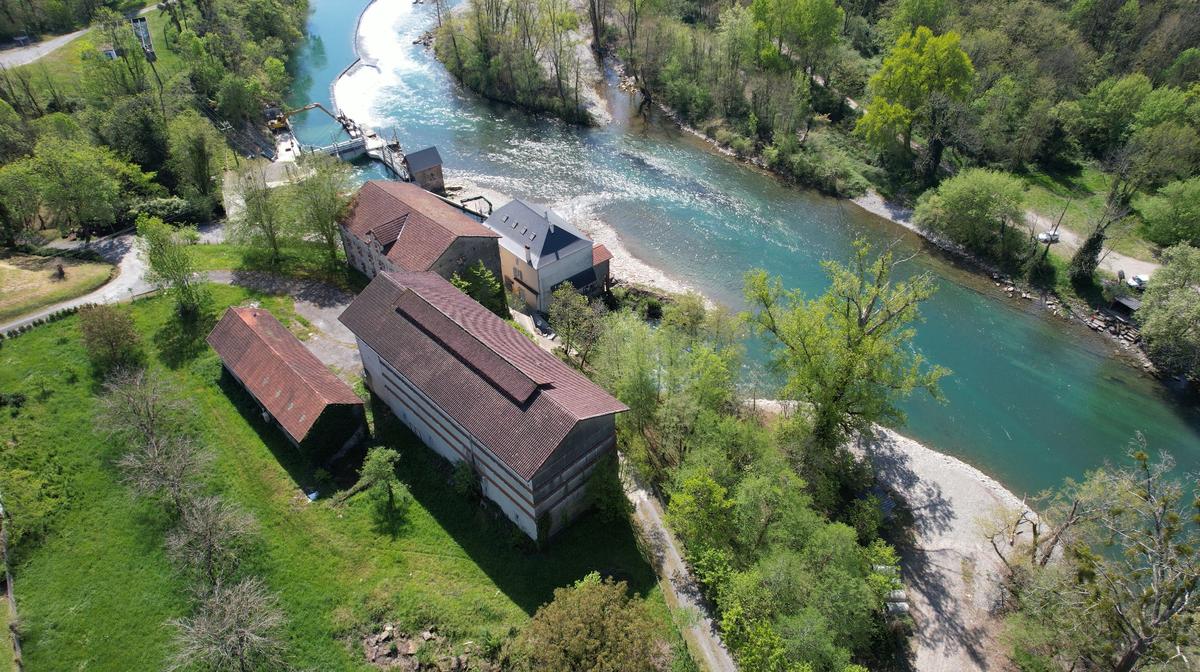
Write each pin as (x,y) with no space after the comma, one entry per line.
(1170,313)
(169,467)
(237,628)
(592,626)
(479,283)
(1083,263)
(1173,215)
(576,321)
(1122,594)
(846,354)
(701,513)
(139,408)
(110,338)
(378,473)
(322,195)
(209,539)
(20,199)
(78,184)
(921,74)
(978,209)
(196,154)
(262,217)
(171,265)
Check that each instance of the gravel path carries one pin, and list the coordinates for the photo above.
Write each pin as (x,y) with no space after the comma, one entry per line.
(950,572)
(1111,261)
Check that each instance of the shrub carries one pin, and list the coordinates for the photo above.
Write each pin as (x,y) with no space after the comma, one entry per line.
(109,338)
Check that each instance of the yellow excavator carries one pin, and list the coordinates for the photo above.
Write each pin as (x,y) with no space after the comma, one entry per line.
(278,119)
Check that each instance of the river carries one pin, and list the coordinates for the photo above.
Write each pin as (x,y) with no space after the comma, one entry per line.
(1031,400)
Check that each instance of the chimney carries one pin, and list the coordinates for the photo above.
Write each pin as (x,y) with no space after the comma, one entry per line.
(528,258)
(551,228)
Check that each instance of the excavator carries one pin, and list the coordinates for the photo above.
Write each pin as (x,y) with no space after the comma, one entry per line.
(277,119)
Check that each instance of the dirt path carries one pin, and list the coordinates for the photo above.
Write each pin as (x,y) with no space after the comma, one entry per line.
(1111,261)
(680,589)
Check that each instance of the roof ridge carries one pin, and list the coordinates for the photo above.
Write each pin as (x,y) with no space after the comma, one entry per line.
(282,357)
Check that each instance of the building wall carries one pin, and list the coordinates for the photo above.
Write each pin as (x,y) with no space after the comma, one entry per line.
(430,179)
(554,272)
(447,438)
(560,486)
(518,276)
(466,252)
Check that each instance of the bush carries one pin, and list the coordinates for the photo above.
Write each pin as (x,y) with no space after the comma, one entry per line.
(465,481)
(173,210)
(109,338)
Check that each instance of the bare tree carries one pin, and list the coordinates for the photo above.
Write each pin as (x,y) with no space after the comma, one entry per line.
(139,408)
(235,629)
(166,467)
(209,538)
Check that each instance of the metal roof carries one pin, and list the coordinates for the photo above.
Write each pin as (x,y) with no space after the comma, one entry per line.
(548,236)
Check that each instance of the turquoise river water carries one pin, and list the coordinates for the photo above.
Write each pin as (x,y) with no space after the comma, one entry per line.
(1031,400)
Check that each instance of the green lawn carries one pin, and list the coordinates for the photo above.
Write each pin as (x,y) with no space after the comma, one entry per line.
(63,66)
(303,260)
(6,651)
(1048,193)
(28,282)
(97,590)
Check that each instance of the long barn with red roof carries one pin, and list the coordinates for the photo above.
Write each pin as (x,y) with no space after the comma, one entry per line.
(312,407)
(475,389)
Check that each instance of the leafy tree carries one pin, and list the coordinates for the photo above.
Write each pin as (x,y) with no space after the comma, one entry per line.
(196,157)
(908,15)
(592,626)
(1152,157)
(236,98)
(979,209)
(576,321)
(479,283)
(236,628)
(847,354)
(1104,117)
(378,474)
(1120,595)
(1173,216)
(322,195)
(171,264)
(701,513)
(1170,313)
(110,338)
(15,135)
(262,217)
(20,200)
(920,74)
(78,184)
(209,539)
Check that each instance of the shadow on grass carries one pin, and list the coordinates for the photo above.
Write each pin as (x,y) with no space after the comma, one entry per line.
(497,546)
(181,339)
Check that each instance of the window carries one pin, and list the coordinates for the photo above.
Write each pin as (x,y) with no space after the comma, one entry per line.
(517,273)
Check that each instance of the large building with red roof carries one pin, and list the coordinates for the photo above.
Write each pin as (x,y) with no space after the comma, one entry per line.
(475,389)
(312,407)
(397,226)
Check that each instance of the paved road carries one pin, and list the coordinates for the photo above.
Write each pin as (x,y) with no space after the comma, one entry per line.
(130,280)
(11,58)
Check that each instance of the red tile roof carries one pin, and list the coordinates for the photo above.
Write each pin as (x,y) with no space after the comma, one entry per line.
(414,226)
(515,398)
(600,254)
(288,380)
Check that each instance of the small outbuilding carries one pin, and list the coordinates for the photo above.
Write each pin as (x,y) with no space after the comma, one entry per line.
(425,168)
(315,409)
(1126,306)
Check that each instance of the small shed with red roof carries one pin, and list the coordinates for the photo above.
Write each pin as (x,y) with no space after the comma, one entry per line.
(315,409)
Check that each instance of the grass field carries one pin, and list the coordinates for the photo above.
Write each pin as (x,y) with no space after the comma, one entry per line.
(62,67)
(6,651)
(96,591)
(1048,193)
(303,260)
(27,282)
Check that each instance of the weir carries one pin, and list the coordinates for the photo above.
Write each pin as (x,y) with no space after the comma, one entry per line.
(362,141)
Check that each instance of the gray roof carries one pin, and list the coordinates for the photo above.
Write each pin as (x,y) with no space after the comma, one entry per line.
(547,235)
(423,159)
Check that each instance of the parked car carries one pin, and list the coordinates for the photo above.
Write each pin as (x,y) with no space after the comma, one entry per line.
(1138,282)
(1048,237)
(543,326)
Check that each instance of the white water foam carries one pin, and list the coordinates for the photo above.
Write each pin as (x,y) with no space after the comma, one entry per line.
(386,31)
